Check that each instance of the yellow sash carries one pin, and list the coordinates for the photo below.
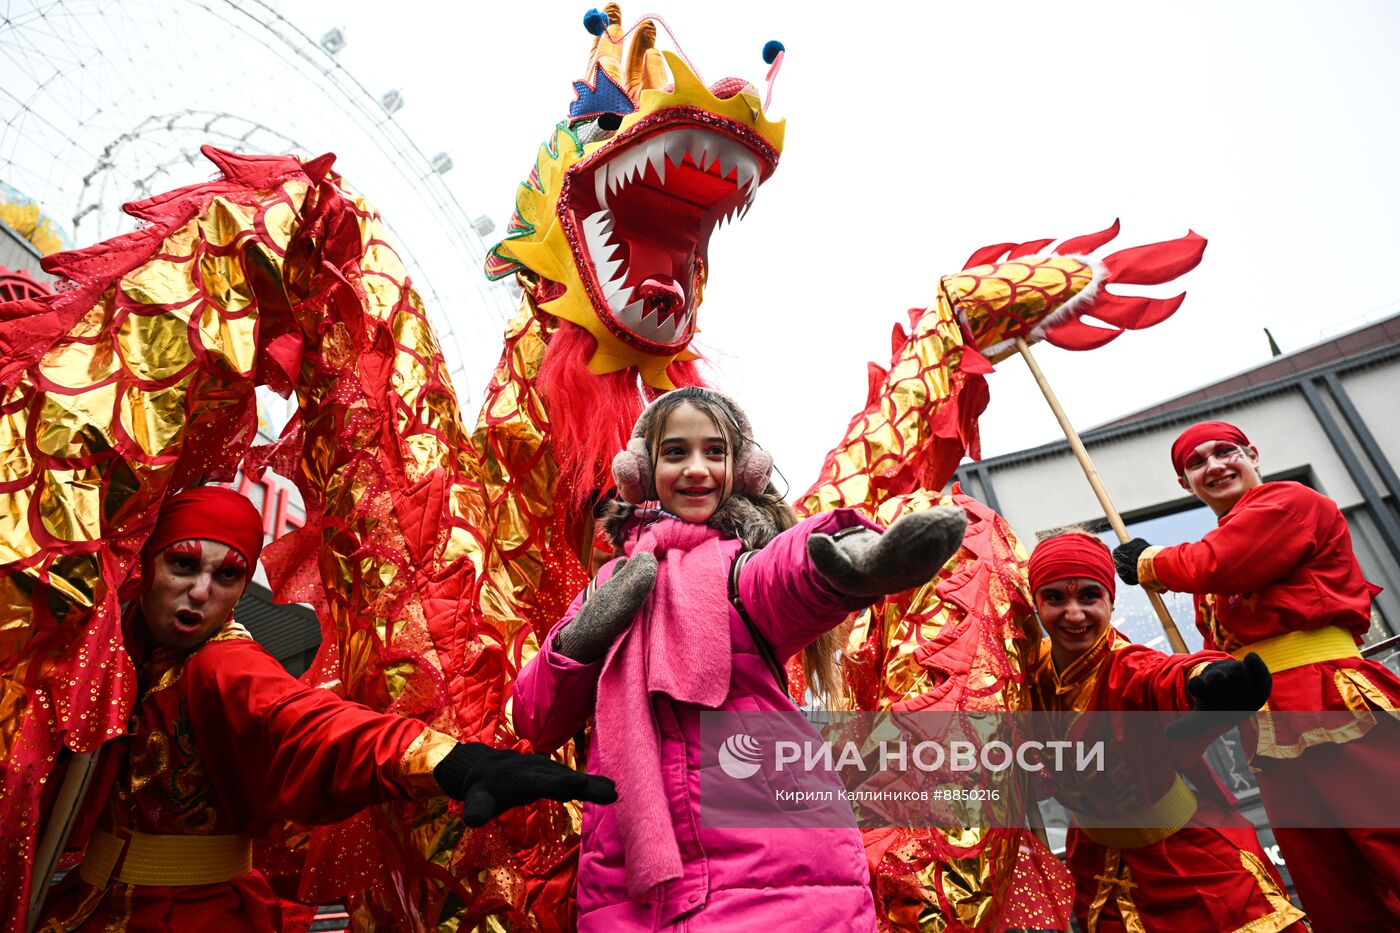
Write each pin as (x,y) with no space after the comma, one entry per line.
(1296,649)
(144,858)
(1153,824)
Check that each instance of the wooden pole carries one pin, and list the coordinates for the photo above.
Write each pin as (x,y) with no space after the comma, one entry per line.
(59,827)
(1114,519)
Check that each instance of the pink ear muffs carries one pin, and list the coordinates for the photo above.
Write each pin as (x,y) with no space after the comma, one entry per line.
(632,469)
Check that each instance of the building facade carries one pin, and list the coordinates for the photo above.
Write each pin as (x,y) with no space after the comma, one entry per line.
(1327,416)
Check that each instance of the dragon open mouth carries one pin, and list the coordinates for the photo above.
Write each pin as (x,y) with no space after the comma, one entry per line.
(645,216)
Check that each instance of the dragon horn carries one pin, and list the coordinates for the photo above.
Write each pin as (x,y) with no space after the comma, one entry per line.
(607,48)
(645,67)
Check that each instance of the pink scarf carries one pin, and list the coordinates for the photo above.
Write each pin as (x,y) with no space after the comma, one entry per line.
(678,647)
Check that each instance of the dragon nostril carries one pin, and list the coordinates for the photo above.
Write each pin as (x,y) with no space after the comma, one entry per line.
(609,121)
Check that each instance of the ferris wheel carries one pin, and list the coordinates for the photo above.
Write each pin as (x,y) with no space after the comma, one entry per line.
(103,103)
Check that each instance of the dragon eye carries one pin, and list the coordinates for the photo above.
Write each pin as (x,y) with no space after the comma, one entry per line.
(609,121)
(592,131)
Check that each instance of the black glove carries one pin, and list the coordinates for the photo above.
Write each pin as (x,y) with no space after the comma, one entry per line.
(862,562)
(1225,693)
(608,611)
(489,781)
(1125,558)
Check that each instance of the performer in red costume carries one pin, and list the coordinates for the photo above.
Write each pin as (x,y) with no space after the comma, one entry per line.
(1196,864)
(1278,577)
(224,742)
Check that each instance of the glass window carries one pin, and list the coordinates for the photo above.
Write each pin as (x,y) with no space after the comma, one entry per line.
(1372,553)
(1132,613)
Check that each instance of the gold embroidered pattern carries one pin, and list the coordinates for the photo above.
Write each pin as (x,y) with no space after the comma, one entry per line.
(1116,880)
(1359,695)
(190,793)
(150,760)
(1284,912)
(420,758)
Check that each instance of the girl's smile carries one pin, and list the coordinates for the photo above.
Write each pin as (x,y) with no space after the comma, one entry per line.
(692,464)
(1075,613)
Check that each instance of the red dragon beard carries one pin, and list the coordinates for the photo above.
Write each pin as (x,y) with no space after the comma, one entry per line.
(591,416)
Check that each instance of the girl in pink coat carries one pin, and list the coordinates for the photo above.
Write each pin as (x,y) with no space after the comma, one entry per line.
(656,640)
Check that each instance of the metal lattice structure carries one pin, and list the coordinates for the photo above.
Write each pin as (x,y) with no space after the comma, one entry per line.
(104,103)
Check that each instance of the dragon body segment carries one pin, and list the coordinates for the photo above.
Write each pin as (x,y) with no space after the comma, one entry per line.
(437,558)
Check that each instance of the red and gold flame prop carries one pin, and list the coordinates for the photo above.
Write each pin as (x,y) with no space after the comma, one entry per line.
(965,640)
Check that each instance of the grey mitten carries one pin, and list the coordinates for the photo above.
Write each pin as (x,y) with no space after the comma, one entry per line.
(862,562)
(609,611)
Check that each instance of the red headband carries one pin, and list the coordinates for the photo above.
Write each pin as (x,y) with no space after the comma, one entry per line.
(1198,434)
(211,513)
(1069,555)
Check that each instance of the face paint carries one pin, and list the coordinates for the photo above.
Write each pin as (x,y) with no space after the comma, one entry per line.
(193,588)
(234,561)
(1075,613)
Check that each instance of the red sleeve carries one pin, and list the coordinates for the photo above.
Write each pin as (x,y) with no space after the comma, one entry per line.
(278,748)
(1268,533)
(790,602)
(1143,679)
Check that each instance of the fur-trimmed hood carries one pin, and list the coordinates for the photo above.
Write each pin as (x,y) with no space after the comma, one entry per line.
(737,517)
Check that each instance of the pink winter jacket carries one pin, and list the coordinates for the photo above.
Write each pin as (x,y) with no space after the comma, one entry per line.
(734,878)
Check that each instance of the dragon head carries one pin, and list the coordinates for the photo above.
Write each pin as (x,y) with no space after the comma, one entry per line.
(613,224)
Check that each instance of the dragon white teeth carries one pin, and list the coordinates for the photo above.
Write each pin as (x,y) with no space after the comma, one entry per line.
(606,271)
(635,317)
(674,145)
(611,272)
(725,159)
(617,296)
(748,175)
(707,151)
(656,155)
(594,226)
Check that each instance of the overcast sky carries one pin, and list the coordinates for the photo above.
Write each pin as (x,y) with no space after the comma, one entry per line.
(918,133)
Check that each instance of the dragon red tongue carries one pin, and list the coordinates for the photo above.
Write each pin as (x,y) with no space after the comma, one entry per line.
(663,296)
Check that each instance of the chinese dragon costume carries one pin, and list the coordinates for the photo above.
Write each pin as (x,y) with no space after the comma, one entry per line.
(436,557)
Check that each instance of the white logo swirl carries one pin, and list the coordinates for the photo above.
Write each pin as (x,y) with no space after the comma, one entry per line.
(740,756)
